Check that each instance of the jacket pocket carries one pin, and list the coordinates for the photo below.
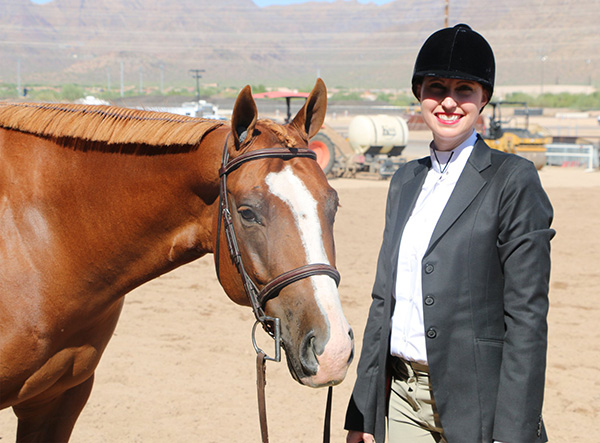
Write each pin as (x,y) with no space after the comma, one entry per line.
(489,362)
(498,342)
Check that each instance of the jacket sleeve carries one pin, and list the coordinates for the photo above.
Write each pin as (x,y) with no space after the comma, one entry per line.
(525,215)
(362,413)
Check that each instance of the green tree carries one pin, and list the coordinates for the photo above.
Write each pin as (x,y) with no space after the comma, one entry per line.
(71,92)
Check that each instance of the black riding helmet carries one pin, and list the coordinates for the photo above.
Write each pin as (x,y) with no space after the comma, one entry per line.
(457,52)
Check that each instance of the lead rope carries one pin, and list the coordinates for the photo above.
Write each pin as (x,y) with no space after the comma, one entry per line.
(327,424)
(261,382)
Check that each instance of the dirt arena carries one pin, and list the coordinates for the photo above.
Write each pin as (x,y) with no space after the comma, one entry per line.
(181,367)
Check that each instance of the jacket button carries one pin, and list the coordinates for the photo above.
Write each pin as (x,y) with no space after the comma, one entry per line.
(428,268)
(429,300)
(431,333)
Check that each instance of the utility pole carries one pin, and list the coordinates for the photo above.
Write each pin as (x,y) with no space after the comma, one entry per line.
(141,80)
(543,59)
(162,78)
(196,74)
(122,79)
(19,92)
(446,13)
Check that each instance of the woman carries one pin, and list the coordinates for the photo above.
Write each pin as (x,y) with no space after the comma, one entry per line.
(455,343)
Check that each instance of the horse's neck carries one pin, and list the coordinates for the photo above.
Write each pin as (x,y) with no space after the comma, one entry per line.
(120,220)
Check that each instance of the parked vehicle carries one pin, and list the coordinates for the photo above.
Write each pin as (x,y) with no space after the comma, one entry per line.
(374,145)
(516,139)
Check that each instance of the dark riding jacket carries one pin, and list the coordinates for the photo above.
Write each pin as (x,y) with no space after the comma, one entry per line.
(485,277)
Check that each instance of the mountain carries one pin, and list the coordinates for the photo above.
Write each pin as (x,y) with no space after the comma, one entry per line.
(236,42)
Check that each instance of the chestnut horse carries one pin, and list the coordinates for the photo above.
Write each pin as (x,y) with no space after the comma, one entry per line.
(96,201)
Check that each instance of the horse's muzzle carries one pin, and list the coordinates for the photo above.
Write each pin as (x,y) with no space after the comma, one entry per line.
(325,362)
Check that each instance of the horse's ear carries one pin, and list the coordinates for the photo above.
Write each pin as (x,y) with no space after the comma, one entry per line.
(243,118)
(312,115)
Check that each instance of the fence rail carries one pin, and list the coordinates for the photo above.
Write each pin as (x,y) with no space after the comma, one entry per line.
(562,154)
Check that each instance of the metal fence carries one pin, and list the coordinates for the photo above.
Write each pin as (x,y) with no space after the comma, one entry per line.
(562,154)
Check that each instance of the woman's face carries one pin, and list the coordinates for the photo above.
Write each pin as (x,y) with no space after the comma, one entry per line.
(450,108)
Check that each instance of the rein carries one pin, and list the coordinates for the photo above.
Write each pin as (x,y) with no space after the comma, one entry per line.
(259,298)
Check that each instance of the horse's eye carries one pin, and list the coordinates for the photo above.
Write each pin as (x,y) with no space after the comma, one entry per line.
(248,215)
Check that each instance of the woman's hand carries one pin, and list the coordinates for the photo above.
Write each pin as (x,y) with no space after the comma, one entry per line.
(358,437)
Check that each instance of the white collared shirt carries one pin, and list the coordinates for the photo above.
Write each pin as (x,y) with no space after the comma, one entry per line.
(408,331)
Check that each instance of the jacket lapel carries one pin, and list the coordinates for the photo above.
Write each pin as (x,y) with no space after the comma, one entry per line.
(406,203)
(468,186)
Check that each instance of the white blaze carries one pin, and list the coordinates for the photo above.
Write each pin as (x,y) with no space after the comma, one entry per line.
(291,190)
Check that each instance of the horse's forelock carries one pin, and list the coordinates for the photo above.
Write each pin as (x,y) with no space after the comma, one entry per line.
(280,132)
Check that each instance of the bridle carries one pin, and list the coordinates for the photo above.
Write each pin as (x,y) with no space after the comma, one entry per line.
(259,298)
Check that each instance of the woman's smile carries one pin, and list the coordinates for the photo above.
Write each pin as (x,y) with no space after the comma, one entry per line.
(450,108)
(448,119)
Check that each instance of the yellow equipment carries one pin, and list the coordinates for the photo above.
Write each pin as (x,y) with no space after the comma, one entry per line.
(516,140)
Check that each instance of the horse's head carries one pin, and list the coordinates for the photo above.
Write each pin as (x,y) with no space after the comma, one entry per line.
(282,211)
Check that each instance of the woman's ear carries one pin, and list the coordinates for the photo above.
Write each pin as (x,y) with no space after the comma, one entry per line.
(418,88)
(486,97)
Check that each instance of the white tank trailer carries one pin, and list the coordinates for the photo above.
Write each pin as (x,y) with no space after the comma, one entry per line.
(378,134)
(376,143)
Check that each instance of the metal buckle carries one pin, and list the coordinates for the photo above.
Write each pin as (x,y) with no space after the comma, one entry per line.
(276,334)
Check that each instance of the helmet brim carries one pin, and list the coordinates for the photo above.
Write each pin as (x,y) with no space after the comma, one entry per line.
(420,75)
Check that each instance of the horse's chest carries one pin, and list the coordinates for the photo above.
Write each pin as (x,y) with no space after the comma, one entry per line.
(65,369)
(50,359)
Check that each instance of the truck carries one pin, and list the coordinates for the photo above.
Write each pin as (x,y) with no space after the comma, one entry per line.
(516,139)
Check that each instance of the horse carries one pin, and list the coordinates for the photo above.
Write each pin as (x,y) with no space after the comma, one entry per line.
(97,200)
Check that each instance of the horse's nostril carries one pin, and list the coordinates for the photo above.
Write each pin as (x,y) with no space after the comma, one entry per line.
(308,356)
(351,334)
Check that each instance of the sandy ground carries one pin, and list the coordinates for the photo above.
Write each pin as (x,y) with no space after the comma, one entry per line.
(181,367)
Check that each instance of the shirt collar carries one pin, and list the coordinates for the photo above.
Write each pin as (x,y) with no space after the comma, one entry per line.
(454,159)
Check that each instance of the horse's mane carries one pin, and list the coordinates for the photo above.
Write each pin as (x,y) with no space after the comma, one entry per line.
(105,124)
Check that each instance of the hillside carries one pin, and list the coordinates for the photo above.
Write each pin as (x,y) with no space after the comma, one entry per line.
(236,42)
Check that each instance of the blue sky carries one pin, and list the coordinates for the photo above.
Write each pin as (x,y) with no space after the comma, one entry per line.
(280,2)
(289,2)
